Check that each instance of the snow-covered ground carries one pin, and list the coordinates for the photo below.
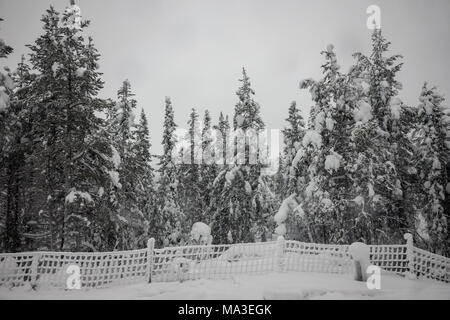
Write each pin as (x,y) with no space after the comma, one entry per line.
(290,285)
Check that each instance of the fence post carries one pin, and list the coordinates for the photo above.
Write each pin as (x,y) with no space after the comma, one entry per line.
(409,255)
(280,263)
(34,274)
(150,249)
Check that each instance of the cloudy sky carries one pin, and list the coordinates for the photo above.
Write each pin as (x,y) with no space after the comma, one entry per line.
(193,50)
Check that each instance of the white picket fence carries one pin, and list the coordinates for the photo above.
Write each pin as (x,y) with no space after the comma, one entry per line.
(104,269)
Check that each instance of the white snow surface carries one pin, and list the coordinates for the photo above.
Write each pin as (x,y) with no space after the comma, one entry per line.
(272,286)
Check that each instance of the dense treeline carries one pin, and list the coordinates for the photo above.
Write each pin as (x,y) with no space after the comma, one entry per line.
(77,173)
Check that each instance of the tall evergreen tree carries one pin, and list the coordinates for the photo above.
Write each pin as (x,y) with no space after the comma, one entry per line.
(145,189)
(432,219)
(189,171)
(241,198)
(208,169)
(71,148)
(293,136)
(171,217)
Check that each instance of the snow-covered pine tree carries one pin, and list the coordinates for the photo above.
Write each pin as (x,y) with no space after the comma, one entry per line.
(72,151)
(170,221)
(430,139)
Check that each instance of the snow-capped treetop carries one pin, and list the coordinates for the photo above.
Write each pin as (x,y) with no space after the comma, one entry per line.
(72,16)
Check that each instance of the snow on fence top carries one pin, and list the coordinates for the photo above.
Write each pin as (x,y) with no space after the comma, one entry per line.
(103,269)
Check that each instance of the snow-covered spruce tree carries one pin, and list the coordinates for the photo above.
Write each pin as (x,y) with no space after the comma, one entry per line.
(145,188)
(11,162)
(22,193)
(222,144)
(209,168)
(5,50)
(129,219)
(240,196)
(189,171)
(293,135)
(430,139)
(380,193)
(323,156)
(71,149)
(169,223)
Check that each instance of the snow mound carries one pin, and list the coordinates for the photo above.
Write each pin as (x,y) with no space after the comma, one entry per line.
(201,233)
(359,251)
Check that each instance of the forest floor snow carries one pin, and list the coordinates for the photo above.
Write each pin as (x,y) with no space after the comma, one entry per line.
(288,286)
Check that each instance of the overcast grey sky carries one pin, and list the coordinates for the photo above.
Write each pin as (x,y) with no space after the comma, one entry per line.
(193,50)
